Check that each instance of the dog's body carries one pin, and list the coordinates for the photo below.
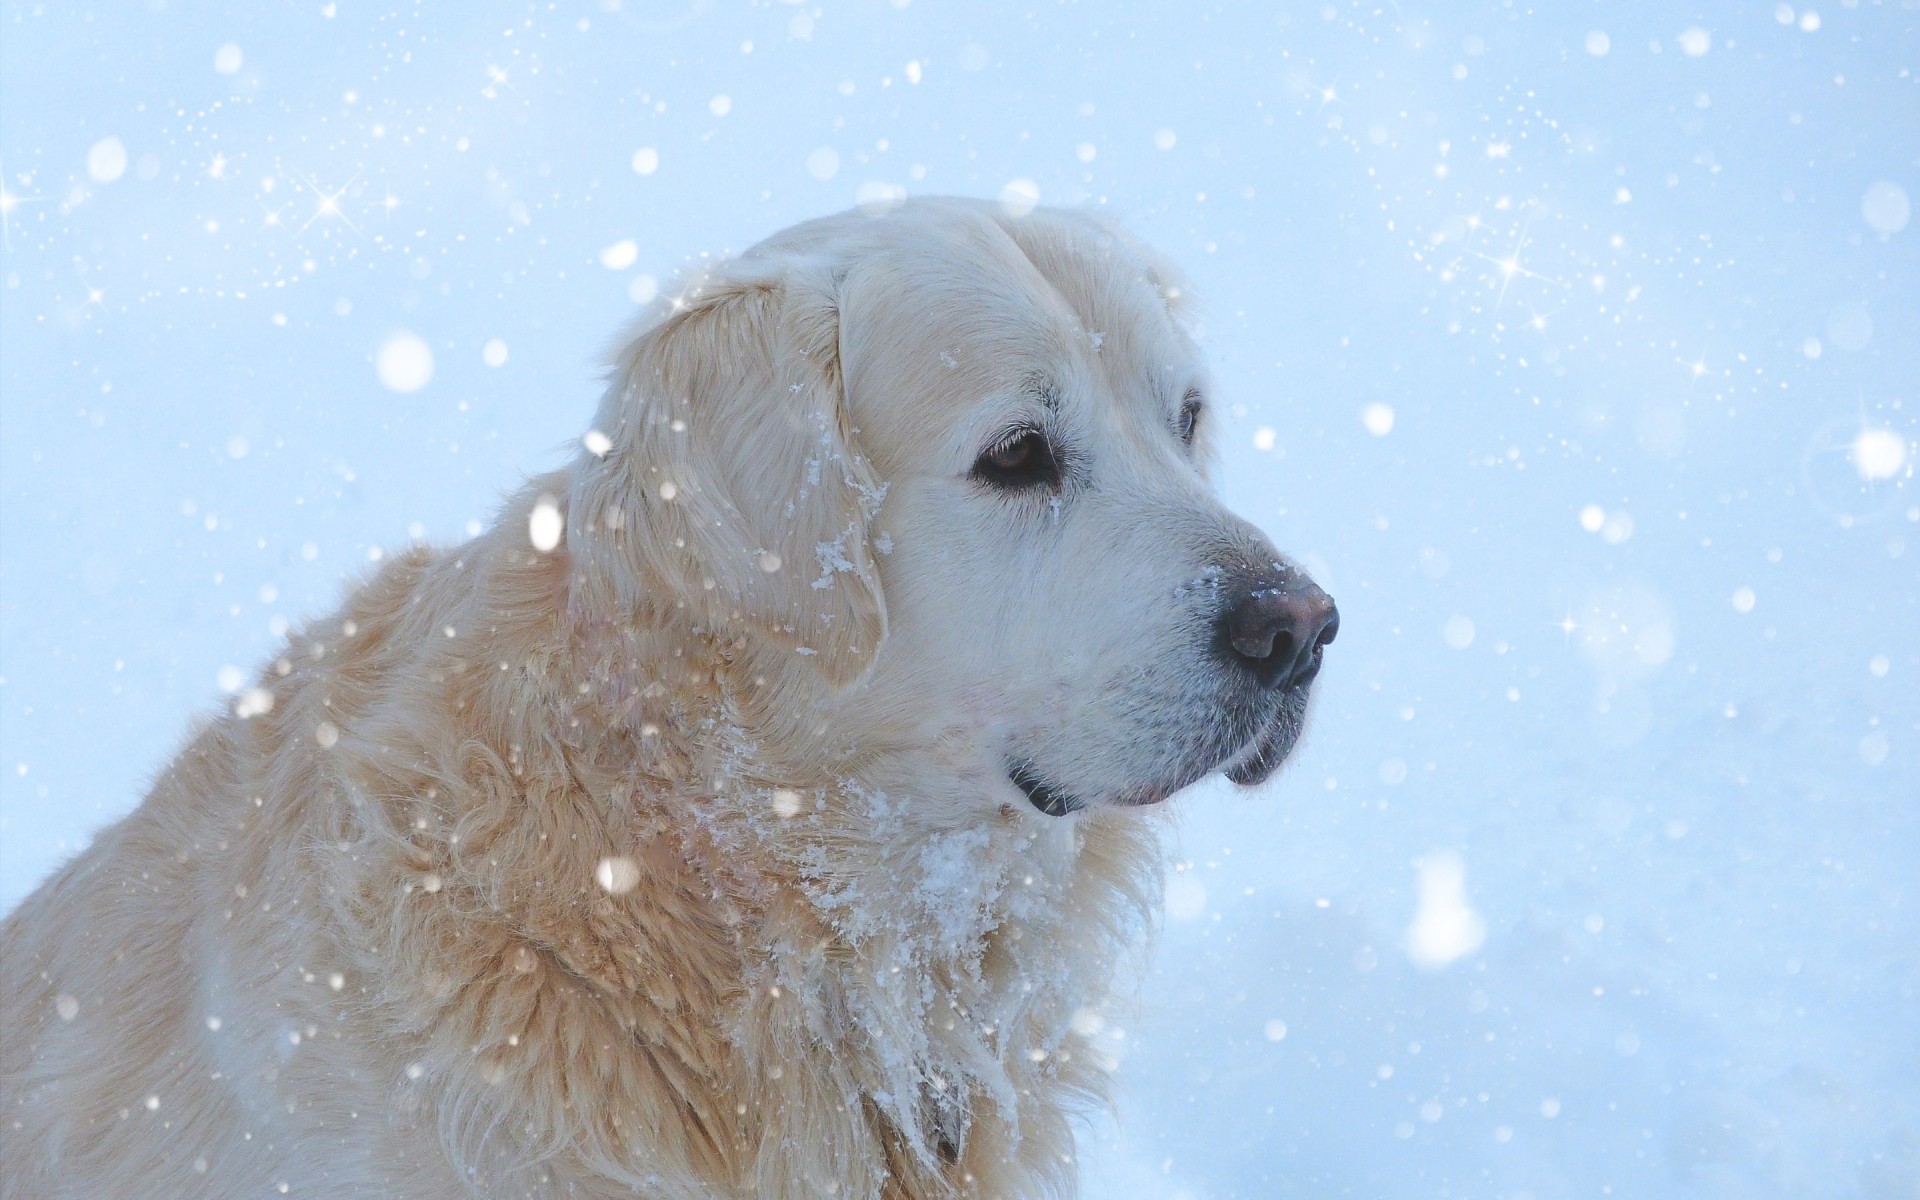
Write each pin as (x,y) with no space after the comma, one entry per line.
(724,822)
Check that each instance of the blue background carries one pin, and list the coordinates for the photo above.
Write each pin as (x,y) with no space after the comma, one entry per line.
(1669,286)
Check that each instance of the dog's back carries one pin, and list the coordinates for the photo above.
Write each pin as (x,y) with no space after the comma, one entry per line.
(156,994)
(109,1078)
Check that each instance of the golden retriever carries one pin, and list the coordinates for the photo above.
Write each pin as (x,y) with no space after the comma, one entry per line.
(760,808)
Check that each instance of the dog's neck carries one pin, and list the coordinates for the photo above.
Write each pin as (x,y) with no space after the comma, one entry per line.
(898,900)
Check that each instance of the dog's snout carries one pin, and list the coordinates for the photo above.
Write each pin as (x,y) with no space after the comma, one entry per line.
(1277,630)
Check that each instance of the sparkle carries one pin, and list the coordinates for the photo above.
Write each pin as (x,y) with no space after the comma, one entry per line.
(96,296)
(496,79)
(1510,266)
(327,204)
(8,202)
(217,169)
(1698,367)
(1499,149)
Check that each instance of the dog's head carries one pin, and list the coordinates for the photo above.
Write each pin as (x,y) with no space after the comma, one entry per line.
(939,476)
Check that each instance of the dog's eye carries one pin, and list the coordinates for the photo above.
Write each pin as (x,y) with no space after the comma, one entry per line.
(1024,459)
(1189,421)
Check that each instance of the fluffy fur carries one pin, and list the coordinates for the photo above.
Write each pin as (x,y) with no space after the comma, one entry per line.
(680,859)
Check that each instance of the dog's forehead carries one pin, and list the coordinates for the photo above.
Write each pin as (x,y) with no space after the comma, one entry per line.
(1119,293)
(1057,272)
(963,306)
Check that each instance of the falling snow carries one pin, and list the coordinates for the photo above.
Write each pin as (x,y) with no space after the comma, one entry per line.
(545,524)
(617,875)
(404,363)
(1573,350)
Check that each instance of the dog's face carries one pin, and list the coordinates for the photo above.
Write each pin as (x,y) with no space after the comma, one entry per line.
(999,539)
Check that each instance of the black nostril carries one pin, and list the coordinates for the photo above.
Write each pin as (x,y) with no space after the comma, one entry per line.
(1277,631)
(1331,629)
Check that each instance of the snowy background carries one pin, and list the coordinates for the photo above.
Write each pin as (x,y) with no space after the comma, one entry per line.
(1577,350)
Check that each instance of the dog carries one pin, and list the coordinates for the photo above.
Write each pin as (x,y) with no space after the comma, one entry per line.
(761,807)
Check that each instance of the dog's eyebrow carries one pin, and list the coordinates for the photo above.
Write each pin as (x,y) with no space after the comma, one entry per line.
(1044,391)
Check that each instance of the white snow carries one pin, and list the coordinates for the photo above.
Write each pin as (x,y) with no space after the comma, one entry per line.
(1885,208)
(823,163)
(1643,318)
(1879,454)
(1445,928)
(1020,197)
(878,196)
(404,362)
(545,524)
(107,160)
(617,875)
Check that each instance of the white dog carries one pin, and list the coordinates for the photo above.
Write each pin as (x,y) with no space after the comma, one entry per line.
(749,813)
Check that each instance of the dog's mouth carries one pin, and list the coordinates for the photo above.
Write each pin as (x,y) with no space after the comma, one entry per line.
(1252,764)
(1041,794)
(1058,802)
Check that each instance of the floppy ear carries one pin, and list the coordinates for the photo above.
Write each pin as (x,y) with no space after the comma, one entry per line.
(732,480)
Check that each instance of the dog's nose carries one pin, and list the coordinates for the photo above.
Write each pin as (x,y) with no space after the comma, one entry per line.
(1277,630)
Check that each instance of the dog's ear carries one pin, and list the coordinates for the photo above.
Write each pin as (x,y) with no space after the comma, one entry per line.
(728,474)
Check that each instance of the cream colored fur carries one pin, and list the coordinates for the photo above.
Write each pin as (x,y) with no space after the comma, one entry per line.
(680,860)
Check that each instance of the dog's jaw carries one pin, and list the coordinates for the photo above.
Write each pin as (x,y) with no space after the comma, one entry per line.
(1271,746)
(1042,795)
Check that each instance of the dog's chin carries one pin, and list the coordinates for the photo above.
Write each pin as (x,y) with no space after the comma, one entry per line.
(1269,748)
(1257,763)
(1258,758)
